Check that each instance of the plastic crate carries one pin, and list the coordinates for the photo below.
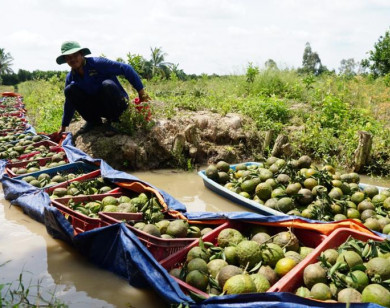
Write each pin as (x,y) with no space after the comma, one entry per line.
(50,145)
(5,132)
(29,136)
(159,247)
(85,177)
(21,125)
(29,156)
(309,238)
(47,143)
(18,114)
(115,217)
(78,167)
(294,279)
(42,163)
(79,221)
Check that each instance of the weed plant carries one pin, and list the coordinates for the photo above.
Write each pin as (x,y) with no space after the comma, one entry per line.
(44,102)
(18,294)
(321,114)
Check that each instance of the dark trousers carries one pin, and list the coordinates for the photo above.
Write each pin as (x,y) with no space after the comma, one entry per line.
(107,103)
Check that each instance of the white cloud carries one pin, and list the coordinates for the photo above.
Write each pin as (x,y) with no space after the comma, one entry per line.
(212,36)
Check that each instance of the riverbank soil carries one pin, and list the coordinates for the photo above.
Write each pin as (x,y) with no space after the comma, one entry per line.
(187,139)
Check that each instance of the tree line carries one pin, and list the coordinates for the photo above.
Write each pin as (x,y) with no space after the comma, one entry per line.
(157,68)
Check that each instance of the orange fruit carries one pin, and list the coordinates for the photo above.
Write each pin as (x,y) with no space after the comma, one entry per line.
(284,265)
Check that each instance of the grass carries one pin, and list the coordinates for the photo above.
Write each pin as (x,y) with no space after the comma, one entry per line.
(321,115)
(18,294)
(6,89)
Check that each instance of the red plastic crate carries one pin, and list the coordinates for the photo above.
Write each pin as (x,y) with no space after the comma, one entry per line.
(160,248)
(309,238)
(21,125)
(18,114)
(42,162)
(27,157)
(85,177)
(46,143)
(50,145)
(81,222)
(294,279)
(5,132)
(116,217)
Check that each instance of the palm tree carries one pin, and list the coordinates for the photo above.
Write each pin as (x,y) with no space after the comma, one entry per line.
(5,62)
(158,64)
(179,72)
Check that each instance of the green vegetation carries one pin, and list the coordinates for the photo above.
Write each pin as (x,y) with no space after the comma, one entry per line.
(44,100)
(379,60)
(321,114)
(18,294)
(5,62)
(6,89)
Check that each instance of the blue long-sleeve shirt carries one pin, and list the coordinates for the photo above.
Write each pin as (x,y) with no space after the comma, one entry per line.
(96,70)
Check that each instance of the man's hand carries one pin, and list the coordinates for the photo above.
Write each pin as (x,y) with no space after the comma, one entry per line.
(143,96)
(62,129)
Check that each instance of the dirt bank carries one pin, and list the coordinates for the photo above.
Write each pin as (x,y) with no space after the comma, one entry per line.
(189,138)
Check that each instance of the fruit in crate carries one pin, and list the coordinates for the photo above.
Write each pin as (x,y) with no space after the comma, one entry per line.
(238,264)
(122,204)
(355,272)
(45,179)
(34,166)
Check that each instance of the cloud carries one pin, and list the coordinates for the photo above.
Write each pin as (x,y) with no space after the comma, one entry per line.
(211,36)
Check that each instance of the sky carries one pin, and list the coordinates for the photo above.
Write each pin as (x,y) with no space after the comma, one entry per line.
(201,36)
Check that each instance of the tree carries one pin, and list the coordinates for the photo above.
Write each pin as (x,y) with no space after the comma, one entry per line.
(158,64)
(270,65)
(379,59)
(251,72)
(24,75)
(5,62)
(311,62)
(179,73)
(348,67)
(137,62)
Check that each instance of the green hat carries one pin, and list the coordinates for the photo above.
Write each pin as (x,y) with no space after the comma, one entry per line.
(70,47)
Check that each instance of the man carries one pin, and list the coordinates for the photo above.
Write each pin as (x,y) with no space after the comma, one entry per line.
(93,90)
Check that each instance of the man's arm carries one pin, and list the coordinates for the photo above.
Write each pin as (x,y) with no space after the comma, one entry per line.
(67,115)
(118,68)
(69,110)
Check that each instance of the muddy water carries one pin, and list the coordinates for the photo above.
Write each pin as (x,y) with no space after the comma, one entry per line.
(62,271)
(188,188)
(58,268)
(383,182)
